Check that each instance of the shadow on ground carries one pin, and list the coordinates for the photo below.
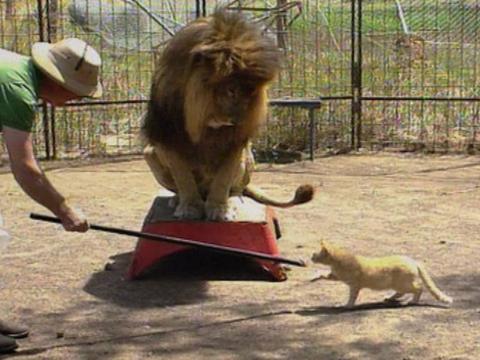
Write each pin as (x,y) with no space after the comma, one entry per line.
(250,330)
(463,288)
(333,310)
(179,279)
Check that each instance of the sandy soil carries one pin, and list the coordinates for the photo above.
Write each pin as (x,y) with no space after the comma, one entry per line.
(204,307)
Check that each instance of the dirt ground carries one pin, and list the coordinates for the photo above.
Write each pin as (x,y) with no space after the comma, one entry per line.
(204,307)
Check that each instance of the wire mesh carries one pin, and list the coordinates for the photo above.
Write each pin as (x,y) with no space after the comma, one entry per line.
(411,50)
(316,45)
(287,131)
(429,126)
(19,29)
(136,25)
(322,70)
(315,39)
(127,34)
(421,49)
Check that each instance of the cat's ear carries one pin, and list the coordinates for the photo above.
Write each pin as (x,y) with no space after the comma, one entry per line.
(324,246)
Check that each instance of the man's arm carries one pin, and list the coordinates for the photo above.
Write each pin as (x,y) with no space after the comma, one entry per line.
(34,182)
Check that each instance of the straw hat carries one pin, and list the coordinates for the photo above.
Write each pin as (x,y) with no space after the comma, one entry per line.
(72,63)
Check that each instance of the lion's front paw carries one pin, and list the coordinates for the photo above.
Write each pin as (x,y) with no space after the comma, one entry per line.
(173,202)
(220,212)
(189,210)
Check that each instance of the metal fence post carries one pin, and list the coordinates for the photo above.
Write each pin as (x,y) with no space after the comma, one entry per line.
(200,8)
(197,8)
(356,75)
(313,132)
(52,25)
(41,36)
(359,75)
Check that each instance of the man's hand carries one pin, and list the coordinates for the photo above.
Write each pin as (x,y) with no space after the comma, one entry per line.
(34,182)
(72,220)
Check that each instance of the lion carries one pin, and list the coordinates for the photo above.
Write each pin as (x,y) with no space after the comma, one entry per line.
(208,99)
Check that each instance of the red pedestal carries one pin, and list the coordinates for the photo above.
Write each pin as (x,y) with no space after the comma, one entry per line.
(254,230)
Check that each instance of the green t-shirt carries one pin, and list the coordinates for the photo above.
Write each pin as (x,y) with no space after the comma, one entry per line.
(19,83)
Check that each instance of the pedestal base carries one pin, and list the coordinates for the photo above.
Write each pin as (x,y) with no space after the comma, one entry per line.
(255,229)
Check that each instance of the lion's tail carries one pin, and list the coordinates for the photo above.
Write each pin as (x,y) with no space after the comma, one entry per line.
(303,194)
(427,280)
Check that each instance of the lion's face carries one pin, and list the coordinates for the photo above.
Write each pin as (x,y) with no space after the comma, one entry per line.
(233,99)
(213,73)
(216,101)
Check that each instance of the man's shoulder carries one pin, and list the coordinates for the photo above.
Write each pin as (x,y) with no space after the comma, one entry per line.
(7,54)
(14,67)
(17,106)
(18,91)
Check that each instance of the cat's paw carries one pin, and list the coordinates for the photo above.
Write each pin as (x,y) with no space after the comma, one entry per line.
(189,210)
(220,212)
(396,298)
(320,275)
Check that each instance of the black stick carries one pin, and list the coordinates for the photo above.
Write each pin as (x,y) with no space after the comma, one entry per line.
(179,241)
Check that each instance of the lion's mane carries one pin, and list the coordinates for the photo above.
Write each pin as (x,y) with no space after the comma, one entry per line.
(211,56)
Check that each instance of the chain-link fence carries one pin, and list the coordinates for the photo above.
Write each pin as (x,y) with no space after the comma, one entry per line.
(420,68)
(400,73)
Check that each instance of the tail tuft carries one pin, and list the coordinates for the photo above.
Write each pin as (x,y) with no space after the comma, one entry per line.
(303,194)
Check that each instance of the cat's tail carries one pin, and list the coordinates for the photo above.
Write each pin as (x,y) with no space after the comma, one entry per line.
(303,194)
(436,292)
